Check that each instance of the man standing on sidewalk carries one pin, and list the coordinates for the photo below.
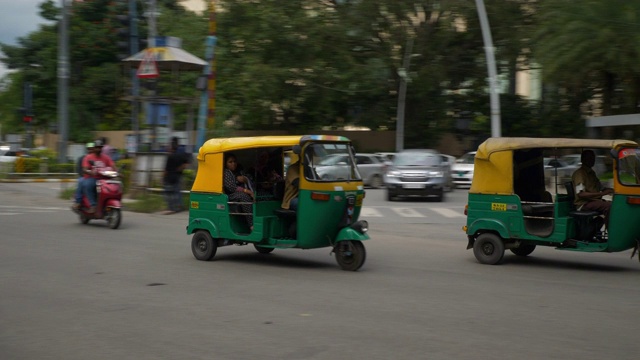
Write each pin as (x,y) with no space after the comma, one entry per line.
(176,163)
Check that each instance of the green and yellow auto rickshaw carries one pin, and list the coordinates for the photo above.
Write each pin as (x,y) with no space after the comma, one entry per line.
(511,206)
(328,206)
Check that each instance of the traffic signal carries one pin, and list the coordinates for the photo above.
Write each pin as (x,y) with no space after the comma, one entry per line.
(121,27)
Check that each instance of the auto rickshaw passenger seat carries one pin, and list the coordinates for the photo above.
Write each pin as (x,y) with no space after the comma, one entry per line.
(586,222)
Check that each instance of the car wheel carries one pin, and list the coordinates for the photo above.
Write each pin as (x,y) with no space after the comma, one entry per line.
(488,249)
(376,182)
(390,195)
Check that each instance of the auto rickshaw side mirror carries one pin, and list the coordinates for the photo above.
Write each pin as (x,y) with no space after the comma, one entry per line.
(297,149)
(613,153)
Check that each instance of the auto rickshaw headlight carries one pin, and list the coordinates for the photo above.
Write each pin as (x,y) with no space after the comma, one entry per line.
(361,226)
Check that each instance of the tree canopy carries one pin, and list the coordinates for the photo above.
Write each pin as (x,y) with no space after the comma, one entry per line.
(306,64)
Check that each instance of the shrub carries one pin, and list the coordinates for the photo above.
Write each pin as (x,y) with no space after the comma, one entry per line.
(125,168)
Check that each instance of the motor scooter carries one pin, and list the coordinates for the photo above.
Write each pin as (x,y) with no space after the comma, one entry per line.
(109,199)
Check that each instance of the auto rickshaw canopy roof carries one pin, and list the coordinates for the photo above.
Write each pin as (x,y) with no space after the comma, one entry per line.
(493,145)
(210,156)
(494,160)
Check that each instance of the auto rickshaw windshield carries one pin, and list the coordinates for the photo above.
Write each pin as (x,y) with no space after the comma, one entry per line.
(629,166)
(330,162)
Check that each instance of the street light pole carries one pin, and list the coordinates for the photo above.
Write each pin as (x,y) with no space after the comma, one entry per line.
(63,83)
(491,67)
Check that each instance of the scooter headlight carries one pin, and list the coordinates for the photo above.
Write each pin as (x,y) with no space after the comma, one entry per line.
(361,226)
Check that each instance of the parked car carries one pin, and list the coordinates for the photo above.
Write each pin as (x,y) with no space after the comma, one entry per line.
(418,172)
(574,160)
(462,170)
(370,167)
(9,156)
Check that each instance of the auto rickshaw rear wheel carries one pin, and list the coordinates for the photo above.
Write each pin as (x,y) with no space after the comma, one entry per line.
(350,255)
(203,246)
(523,249)
(488,248)
(262,250)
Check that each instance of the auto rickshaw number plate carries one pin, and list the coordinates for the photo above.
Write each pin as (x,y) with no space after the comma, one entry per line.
(195,204)
(498,207)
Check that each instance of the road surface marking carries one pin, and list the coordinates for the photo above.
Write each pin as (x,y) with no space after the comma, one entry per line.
(370,212)
(448,212)
(407,212)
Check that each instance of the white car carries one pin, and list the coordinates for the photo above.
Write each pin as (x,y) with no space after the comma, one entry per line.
(574,160)
(462,170)
(8,157)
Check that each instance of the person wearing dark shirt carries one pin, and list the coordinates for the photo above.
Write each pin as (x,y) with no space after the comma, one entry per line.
(172,178)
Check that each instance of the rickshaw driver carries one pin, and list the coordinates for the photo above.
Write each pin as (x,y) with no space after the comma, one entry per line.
(589,191)
(292,179)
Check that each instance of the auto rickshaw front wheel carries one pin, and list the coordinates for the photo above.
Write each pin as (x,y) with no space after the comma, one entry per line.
(203,246)
(488,248)
(350,255)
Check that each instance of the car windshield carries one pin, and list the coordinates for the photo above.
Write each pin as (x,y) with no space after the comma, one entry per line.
(334,159)
(467,158)
(416,159)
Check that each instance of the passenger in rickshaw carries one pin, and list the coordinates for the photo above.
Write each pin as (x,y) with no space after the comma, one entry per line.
(588,189)
(236,186)
(265,174)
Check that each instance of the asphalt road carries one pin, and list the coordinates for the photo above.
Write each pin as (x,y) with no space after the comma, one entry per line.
(72,291)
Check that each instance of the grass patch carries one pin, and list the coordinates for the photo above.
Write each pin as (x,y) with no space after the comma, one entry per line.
(148,203)
(68,193)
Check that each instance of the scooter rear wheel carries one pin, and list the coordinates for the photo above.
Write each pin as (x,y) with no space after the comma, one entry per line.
(84,219)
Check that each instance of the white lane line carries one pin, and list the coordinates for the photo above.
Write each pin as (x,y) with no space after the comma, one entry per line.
(407,212)
(8,213)
(31,207)
(370,212)
(448,212)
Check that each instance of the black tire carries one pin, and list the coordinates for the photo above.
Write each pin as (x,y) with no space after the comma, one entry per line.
(114,217)
(84,219)
(390,195)
(350,255)
(523,249)
(488,249)
(263,250)
(203,246)
(376,182)
(440,196)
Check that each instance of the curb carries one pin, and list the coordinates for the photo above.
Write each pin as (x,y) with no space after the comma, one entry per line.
(36,180)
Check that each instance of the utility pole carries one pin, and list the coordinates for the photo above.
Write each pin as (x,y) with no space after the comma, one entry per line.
(135,82)
(63,83)
(403,73)
(491,67)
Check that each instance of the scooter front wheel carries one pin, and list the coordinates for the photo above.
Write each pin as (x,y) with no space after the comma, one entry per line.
(114,217)
(350,255)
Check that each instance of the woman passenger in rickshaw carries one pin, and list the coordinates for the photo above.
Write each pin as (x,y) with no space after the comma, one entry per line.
(236,186)
(266,175)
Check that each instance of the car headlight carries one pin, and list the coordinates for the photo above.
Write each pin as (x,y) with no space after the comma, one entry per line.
(394,173)
(436,174)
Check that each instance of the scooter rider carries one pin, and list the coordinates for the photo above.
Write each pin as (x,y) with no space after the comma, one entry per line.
(90,163)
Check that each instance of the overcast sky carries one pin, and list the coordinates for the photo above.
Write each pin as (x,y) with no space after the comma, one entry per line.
(17,19)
